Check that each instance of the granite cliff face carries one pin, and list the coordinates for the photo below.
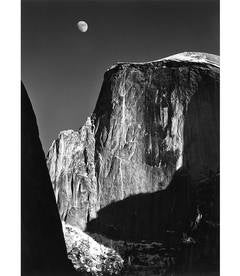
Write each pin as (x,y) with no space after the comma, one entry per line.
(72,170)
(151,120)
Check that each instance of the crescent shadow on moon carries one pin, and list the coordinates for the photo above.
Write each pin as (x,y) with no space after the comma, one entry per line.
(82,26)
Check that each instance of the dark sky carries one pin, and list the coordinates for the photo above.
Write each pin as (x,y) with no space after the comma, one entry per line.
(63,68)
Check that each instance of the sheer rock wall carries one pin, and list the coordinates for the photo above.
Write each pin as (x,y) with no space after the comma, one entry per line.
(150,120)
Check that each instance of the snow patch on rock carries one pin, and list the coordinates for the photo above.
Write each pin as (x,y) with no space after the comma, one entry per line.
(196,57)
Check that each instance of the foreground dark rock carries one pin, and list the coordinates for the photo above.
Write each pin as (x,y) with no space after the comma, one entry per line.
(43,250)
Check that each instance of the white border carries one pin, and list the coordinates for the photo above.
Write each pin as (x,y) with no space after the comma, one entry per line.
(230,137)
(10,137)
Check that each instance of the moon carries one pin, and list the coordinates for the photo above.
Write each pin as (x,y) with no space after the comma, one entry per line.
(82,26)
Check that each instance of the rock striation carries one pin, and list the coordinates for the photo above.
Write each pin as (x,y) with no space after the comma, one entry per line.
(72,170)
(151,120)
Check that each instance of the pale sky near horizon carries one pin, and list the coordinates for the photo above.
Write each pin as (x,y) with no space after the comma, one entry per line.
(62,68)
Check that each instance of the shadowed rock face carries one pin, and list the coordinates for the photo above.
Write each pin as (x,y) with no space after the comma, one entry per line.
(43,251)
(149,216)
(150,120)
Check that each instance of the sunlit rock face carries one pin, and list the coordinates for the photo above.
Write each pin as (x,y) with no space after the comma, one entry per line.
(150,120)
(88,255)
(72,170)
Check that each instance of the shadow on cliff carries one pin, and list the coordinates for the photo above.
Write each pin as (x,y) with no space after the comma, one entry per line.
(201,159)
(202,129)
(169,216)
(43,250)
(148,216)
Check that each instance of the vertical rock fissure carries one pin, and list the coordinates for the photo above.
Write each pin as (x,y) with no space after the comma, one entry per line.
(121,178)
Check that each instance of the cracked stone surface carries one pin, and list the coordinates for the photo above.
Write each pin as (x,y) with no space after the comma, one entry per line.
(150,120)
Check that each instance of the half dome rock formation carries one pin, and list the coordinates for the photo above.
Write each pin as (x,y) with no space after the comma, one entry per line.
(43,250)
(151,120)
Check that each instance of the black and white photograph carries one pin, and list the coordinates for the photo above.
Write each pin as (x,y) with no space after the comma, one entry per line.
(120,138)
